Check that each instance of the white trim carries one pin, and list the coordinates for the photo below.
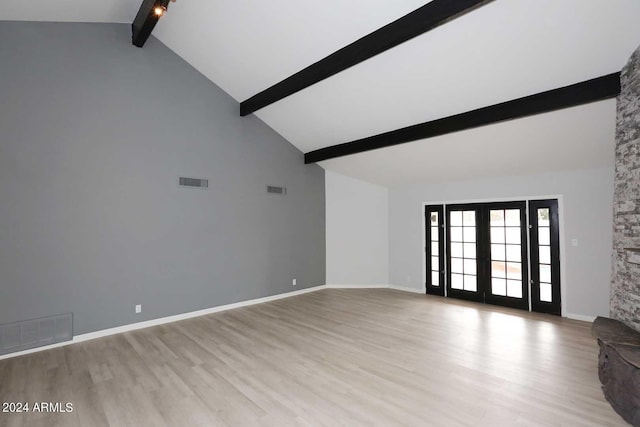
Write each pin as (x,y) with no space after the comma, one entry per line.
(490,200)
(161,321)
(564,297)
(581,317)
(345,286)
(377,286)
(407,289)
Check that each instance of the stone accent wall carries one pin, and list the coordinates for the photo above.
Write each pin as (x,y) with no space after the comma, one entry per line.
(625,287)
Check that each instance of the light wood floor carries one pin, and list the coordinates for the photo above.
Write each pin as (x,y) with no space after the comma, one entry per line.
(327,358)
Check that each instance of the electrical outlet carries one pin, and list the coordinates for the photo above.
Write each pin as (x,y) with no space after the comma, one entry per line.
(138,308)
(294,282)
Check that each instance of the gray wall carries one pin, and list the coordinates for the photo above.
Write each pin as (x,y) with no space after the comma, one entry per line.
(625,287)
(585,215)
(93,136)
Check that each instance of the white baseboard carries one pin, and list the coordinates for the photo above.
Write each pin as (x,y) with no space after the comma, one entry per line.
(343,286)
(406,289)
(582,317)
(161,321)
(376,286)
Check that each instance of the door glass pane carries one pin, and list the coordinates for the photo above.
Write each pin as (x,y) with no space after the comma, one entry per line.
(470,250)
(497,234)
(455,219)
(435,246)
(469,218)
(498,269)
(456,234)
(514,288)
(543,236)
(545,292)
(499,287)
(513,235)
(457,281)
(506,245)
(434,234)
(434,218)
(498,252)
(544,251)
(457,265)
(469,234)
(545,273)
(505,228)
(545,254)
(470,266)
(470,283)
(463,250)
(543,217)
(514,270)
(512,217)
(496,217)
(514,253)
(456,250)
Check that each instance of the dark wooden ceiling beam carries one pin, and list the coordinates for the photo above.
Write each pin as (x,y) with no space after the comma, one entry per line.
(146,20)
(569,96)
(427,17)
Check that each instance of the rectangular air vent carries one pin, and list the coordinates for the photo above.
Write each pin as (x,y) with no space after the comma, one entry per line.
(276,190)
(32,333)
(193,182)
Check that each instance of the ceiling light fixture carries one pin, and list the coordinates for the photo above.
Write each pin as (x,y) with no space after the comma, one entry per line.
(146,19)
(159,10)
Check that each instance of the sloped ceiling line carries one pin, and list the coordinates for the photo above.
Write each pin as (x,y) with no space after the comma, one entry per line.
(597,89)
(420,21)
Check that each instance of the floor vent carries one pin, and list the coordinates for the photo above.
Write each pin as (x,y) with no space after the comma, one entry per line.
(33,333)
(276,190)
(193,182)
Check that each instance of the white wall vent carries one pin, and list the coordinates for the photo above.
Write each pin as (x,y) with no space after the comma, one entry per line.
(193,182)
(276,190)
(33,333)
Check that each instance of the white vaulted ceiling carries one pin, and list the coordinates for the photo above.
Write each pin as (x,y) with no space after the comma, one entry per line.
(501,51)
(573,138)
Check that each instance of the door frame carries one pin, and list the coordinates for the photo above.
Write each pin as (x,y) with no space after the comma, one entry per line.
(458,293)
(561,230)
(435,290)
(525,302)
(554,307)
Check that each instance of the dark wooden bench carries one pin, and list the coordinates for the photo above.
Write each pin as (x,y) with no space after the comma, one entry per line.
(619,366)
